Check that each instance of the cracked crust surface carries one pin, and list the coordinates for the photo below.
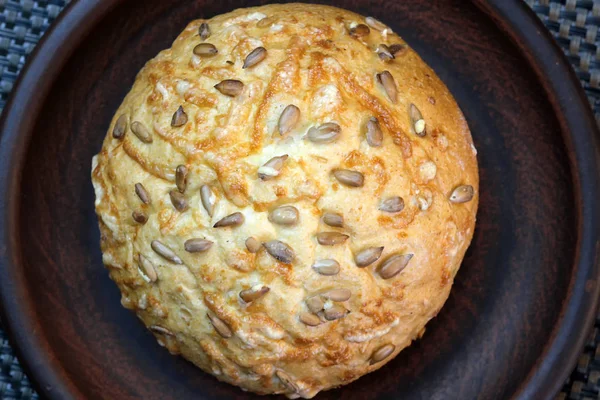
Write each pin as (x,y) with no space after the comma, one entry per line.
(314,63)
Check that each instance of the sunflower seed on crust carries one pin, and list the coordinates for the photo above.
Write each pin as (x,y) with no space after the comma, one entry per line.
(389,85)
(462,194)
(204,31)
(315,304)
(327,267)
(284,215)
(180,118)
(147,269)
(280,251)
(376,24)
(165,252)
(374,134)
(252,294)
(220,326)
(205,50)
(141,132)
(235,219)
(178,200)
(331,238)
(140,217)
(160,330)
(382,353)
(230,87)
(417,121)
(181,173)
(392,204)
(339,294)
(334,312)
(397,49)
(120,127)
(255,56)
(384,53)
(208,200)
(359,31)
(349,178)
(367,256)
(288,119)
(287,381)
(140,190)
(252,245)
(272,168)
(325,133)
(197,245)
(309,319)
(333,219)
(394,265)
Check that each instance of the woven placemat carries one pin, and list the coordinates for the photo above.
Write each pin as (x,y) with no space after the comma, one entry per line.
(574,23)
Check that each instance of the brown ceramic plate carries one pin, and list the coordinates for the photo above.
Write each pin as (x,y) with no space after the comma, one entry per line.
(522,302)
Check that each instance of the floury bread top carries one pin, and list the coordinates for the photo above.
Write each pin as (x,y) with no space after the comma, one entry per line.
(285,196)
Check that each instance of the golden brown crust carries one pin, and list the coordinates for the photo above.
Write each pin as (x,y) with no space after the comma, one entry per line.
(317,61)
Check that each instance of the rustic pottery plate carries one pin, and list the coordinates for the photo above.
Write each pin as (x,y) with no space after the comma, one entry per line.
(523,300)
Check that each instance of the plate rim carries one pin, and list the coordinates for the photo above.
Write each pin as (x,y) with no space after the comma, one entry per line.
(517,21)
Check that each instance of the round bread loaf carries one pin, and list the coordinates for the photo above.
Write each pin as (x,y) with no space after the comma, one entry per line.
(285,196)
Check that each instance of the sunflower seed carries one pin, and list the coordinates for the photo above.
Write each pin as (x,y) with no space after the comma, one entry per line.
(315,304)
(360,31)
(374,133)
(204,31)
(235,219)
(418,123)
(375,24)
(382,353)
(230,87)
(205,50)
(165,252)
(197,245)
(140,217)
(349,178)
(140,190)
(141,132)
(147,269)
(310,319)
(265,22)
(181,173)
(255,56)
(384,53)
(335,312)
(178,200)
(331,238)
(367,256)
(340,294)
(326,133)
(333,219)
(272,168)
(287,381)
(220,326)
(180,118)
(327,267)
(389,85)
(392,204)
(288,119)
(462,194)
(280,251)
(208,199)
(252,245)
(394,265)
(252,294)
(160,330)
(284,215)
(396,49)
(120,127)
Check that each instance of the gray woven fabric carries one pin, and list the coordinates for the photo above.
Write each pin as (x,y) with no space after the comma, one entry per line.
(574,23)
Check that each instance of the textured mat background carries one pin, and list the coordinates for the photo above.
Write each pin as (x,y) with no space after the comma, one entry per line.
(574,23)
